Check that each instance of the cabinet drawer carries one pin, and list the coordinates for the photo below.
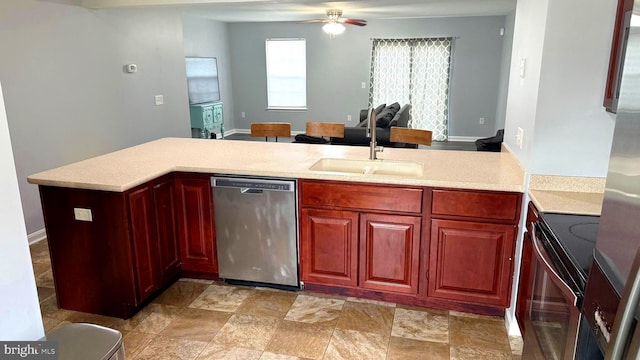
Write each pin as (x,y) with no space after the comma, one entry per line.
(476,204)
(358,196)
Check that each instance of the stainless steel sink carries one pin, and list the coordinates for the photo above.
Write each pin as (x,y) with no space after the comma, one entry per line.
(369,167)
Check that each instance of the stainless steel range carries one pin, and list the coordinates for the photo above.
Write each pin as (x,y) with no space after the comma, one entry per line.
(563,253)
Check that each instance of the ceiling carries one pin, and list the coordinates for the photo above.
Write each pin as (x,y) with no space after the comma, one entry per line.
(297,10)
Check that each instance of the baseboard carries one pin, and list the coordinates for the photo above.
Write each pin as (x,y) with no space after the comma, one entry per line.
(231,132)
(511,324)
(463,138)
(37,236)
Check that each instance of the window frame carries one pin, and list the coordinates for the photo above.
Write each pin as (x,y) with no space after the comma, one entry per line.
(270,96)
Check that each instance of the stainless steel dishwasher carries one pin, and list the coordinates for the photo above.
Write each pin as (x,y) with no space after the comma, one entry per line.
(256,230)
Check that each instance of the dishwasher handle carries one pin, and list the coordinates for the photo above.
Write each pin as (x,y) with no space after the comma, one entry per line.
(251,191)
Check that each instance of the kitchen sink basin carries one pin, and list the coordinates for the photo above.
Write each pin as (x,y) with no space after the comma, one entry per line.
(370,167)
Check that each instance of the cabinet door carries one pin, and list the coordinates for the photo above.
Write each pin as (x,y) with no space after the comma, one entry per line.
(524,284)
(164,206)
(616,57)
(217,114)
(196,230)
(145,243)
(329,247)
(389,252)
(471,261)
(207,116)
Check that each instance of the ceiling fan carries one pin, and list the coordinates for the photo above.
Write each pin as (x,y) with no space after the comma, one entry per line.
(334,21)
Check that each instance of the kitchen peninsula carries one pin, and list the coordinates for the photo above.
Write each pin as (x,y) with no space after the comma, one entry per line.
(122,226)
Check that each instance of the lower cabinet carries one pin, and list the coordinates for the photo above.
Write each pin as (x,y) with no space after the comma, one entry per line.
(389,252)
(329,247)
(526,271)
(471,261)
(153,229)
(196,229)
(352,247)
(121,252)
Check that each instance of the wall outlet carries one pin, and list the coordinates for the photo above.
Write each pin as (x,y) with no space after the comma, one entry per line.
(81,214)
(348,117)
(159,99)
(243,115)
(481,121)
(363,85)
(519,137)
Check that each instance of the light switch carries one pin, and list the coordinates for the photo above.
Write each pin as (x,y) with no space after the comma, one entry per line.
(159,99)
(519,137)
(81,214)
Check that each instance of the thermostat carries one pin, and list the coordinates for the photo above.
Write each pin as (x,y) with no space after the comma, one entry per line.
(131,68)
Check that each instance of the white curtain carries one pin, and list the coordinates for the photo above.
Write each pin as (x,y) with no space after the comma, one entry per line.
(416,72)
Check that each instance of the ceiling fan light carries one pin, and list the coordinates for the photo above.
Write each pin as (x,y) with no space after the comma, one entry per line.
(333,28)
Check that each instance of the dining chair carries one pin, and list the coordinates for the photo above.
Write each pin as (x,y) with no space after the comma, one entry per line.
(323,129)
(410,136)
(273,129)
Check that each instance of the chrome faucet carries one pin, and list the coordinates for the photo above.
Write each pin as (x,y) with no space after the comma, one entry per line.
(371,133)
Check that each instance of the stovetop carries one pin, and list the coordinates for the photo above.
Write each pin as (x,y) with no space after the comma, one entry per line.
(572,239)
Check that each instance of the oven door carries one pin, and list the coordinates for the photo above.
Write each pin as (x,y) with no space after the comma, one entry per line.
(552,319)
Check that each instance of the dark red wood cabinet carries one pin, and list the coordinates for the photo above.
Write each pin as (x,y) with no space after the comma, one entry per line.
(471,261)
(196,228)
(113,263)
(526,276)
(329,247)
(358,236)
(153,229)
(389,252)
(471,245)
(616,59)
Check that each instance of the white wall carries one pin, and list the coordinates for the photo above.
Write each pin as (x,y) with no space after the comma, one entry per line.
(67,96)
(573,132)
(20,317)
(559,101)
(209,38)
(337,67)
(522,98)
(505,66)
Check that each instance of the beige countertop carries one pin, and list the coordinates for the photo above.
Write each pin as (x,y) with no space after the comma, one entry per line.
(127,168)
(566,194)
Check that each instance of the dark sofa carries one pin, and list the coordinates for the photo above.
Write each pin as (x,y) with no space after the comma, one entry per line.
(493,143)
(386,117)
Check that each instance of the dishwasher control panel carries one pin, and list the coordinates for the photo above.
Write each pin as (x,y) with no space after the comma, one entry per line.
(275,185)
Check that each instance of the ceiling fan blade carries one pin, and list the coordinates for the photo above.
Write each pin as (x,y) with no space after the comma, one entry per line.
(358,22)
(312,21)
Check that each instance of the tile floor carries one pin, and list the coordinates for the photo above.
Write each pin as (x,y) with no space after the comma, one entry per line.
(196,319)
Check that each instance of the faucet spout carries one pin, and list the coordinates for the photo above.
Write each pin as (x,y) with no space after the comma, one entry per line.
(371,133)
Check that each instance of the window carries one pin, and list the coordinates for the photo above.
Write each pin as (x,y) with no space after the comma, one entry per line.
(202,80)
(416,72)
(286,74)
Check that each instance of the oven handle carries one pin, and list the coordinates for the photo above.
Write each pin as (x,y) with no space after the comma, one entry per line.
(553,275)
